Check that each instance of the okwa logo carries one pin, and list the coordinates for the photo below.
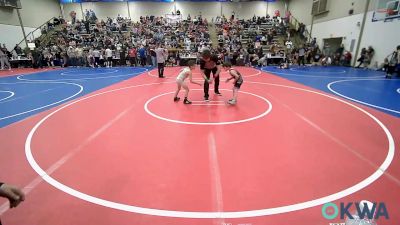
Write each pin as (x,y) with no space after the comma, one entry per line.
(363,210)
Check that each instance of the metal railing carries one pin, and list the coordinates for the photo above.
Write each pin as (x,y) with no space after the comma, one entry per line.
(31,36)
(296,24)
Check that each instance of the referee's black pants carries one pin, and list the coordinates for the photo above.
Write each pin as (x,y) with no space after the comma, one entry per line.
(207,72)
(160,70)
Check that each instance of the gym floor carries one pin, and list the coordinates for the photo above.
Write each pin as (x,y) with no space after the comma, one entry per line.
(109,146)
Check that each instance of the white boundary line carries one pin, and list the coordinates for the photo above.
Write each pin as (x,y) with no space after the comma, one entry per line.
(83,79)
(71,73)
(239,214)
(12,94)
(321,72)
(296,75)
(45,106)
(216,185)
(29,95)
(201,79)
(146,108)
(329,86)
(202,104)
(209,101)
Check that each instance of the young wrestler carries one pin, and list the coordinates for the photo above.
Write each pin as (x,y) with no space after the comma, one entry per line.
(238,81)
(180,80)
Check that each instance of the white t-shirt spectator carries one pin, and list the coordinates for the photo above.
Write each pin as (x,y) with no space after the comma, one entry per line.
(79,52)
(302,52)
(108,53)
(119,46)
(160,54)
(96,53)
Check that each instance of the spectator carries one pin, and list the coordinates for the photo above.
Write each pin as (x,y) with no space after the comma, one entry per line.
(362,57)
(394,63)
(153,56)
(132,56)
(326,61)
(161,55)
(142,55)
(4,58)
(301,53)
(71,52)
(14,195)
(79,56)
(314,42)
(18,50)
(96,55)
(109,57)
(368,56)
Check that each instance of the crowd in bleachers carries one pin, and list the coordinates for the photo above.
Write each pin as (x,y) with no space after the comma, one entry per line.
(257,41)
(312,54)
(250,42)
(79,43)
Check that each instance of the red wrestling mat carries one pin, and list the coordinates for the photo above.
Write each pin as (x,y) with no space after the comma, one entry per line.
(128,154)
(20,71)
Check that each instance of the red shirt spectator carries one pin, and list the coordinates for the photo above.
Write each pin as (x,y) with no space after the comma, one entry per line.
(132,53)
(277,13)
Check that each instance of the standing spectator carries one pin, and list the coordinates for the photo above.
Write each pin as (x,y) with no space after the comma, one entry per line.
(109,58)
(301,52)
(4,59)
(161,54)
(79,56)
(153,56)
(90,58)
(142,55)
(96,55)
(132,56)
(72,56)
(340,50)
(122,56)
(37,58)
(73,17)
(362,57)
(368,56)
(87,26)
(314,42)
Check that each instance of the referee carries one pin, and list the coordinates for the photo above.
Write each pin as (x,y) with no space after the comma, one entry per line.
(210,63)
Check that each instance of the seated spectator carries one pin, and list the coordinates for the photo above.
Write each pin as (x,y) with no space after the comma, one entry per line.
(326,61)
(18,50)
(347,58)
(394,63)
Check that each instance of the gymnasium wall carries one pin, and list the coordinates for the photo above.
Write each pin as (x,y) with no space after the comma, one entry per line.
(301,9)
(33,13)
(382,36)
(207,9)
(12,35)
